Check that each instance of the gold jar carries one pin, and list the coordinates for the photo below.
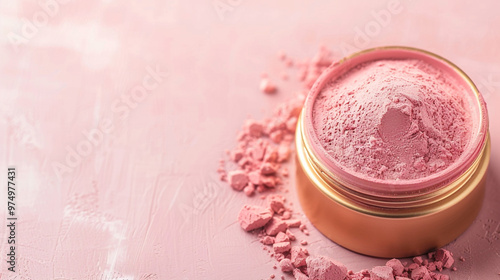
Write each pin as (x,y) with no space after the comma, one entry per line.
(391,221)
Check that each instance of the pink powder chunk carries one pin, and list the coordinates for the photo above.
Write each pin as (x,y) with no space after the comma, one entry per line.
(249,190)
(299,275)
(413,266)
(439,265)
(252,217)
(267,169)
(445,257)
(382,273)
(254,128)
(431,266)
(286,265)
(396,265)
(282,237)
(393,119)
(418,260)
(275,226)
(281,247)
(291,124)
(269,181)
(286,215)
(402,278)
(283,153)
(290,235)
(236,155)
(267,86)
(323,268)
(276,136)
(437,276)
(279,256)
(254,177)
(294,223)
(298,256)
(267,240)
(238,179)
(271,154)
(420,273)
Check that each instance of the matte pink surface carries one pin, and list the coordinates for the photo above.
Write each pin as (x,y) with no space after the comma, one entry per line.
(145,201)
(394,119)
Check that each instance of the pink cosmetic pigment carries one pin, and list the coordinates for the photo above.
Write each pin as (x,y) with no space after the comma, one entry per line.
(259,162)
(393,120)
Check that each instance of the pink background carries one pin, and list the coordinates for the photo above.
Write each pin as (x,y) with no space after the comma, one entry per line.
(145,203)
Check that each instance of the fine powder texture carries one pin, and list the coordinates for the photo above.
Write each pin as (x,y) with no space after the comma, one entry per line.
(260,163)
(393,119)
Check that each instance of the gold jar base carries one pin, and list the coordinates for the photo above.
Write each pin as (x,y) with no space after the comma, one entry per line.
(390,235)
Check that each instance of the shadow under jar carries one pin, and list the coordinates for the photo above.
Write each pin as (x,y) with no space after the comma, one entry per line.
(391,217)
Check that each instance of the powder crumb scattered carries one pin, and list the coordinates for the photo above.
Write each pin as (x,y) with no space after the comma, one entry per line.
(420,272)
(281,247)
(290,235)
(267,240)
(238,179)
(444,256)
(277,203)
(323,268)
(253,217)
(249,190)
(294,223)
(396,265)
(299,275)
(286,215)
(275,226)
(286,265)
(267,86)
(419,120)
(382,273)
(298,256)
(282,237)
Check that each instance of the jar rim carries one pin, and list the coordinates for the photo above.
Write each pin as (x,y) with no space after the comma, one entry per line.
(384,187)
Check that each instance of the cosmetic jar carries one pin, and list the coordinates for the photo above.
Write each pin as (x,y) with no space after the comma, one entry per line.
(391,218)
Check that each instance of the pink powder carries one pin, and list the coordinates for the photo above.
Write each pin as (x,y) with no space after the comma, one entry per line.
(445,257)
(396,265)
(281,247)
(299,256)
(323,268)
(282,237)
(253,217)
(263,146)
(393,119)
(382,273)
(238,179)
(275,226)
(286,265)
(267,86)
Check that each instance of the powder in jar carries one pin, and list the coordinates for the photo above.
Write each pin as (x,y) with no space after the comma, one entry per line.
(393,119)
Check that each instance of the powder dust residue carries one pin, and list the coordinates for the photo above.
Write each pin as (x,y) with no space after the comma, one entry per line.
(257,166)
(393,119)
